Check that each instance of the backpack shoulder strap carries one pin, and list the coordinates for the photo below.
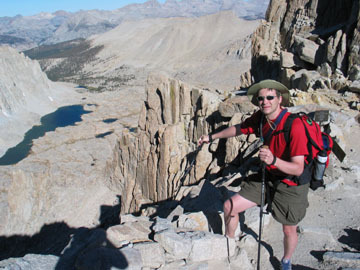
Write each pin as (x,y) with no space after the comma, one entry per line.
(287,127)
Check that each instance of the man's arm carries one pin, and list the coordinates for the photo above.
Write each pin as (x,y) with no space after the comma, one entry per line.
(293,167)
(226,133)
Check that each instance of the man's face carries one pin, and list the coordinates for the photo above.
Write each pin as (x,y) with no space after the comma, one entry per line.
(269,102)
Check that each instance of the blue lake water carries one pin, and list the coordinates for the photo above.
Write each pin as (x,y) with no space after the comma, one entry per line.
(62,117)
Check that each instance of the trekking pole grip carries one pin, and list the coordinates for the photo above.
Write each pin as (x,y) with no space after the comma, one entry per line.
(263,164)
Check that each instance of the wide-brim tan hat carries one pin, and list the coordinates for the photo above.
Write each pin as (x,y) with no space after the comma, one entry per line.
(271,84)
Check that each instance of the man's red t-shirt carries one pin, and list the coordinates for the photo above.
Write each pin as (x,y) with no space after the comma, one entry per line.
(277,143)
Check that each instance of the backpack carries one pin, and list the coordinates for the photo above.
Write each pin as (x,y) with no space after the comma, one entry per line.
(319,142)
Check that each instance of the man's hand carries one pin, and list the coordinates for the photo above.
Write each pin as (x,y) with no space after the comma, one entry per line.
(266,155)
(203,139)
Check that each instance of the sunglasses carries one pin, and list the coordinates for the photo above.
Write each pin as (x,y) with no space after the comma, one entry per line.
(262,98)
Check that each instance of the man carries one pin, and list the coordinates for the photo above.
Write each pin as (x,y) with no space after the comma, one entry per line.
(288,200)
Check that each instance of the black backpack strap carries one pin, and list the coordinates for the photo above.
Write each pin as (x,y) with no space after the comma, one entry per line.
(286,130)
(287,127)
(308,135)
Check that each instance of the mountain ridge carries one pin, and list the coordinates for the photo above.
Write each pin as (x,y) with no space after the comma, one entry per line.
(183,47)
(50,28)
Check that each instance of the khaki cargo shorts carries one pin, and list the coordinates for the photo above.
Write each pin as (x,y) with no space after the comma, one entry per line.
(289,203)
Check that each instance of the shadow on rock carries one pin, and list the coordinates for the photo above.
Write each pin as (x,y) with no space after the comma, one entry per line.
(318,254)
(90,249)
(352,239)
(301,267)
(51,239)
(74,248)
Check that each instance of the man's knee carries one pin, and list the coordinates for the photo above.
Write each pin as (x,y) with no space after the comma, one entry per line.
(290,230)
(237,204)
(228,206)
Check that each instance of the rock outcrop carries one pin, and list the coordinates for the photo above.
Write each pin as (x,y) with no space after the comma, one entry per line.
(154,158)
(309,45)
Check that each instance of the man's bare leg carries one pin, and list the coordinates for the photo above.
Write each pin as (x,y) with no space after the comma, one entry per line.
(231,213)
(290,240)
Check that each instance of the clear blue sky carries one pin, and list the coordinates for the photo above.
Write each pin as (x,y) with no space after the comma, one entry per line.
(30,7)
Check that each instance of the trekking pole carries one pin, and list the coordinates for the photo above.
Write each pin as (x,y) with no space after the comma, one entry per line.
(262,202)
